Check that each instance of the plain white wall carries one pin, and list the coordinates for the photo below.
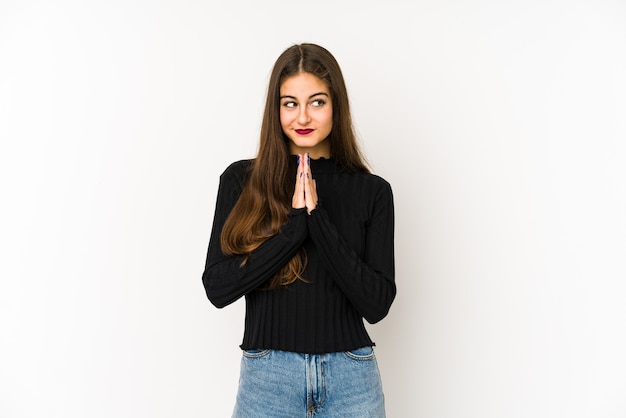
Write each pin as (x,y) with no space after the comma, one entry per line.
(501,126)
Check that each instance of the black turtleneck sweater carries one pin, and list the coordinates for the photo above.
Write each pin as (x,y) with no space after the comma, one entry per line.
(349,245)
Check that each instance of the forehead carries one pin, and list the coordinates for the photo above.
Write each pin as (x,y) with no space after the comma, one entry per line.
(303,84)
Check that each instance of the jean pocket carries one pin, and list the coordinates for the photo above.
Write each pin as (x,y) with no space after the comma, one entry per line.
(363,353)
(256,353)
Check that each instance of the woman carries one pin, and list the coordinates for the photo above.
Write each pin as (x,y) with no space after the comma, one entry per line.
(305,233)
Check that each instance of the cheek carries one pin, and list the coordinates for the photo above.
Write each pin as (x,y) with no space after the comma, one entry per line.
(284,119)
(329,120)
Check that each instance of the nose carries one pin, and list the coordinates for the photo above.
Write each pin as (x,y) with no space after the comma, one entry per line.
(303,116)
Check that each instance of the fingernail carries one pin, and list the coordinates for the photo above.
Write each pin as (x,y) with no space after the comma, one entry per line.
(298,159)
(300,174)
(308,158)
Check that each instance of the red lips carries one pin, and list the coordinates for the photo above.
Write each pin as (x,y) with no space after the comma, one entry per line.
(304,131)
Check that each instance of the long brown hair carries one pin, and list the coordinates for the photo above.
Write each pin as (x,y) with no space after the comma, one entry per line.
(265,201)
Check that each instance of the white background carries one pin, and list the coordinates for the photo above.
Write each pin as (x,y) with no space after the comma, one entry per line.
(500,125)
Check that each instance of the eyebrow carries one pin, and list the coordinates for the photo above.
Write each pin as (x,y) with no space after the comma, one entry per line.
(310,97)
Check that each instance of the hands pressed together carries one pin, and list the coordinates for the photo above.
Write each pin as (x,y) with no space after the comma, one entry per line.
(305,194)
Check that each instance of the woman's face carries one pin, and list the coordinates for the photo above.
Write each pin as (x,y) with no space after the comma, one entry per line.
(306,114)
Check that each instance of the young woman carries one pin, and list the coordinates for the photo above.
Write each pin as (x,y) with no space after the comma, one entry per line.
(305,233)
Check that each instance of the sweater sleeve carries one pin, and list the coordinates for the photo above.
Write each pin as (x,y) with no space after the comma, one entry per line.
(225,279)
(368,282)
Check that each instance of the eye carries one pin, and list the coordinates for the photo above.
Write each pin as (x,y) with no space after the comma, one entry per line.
(289,105)
(318,102)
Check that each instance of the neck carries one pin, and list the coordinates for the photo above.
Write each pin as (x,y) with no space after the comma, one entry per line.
(321,150)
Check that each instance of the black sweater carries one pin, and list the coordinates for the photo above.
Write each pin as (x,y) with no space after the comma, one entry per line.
(349,245)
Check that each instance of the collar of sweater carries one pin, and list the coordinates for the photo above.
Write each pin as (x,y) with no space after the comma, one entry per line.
(320,165)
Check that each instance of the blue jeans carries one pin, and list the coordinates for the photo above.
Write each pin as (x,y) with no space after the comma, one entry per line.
(280,384)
